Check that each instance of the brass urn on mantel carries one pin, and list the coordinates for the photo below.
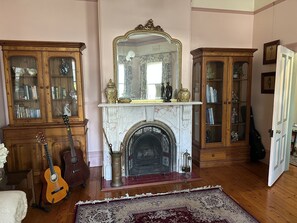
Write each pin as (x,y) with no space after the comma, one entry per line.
(111,92)
(183,95)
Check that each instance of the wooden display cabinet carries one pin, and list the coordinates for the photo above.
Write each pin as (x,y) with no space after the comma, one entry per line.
(43,82)
(222,81)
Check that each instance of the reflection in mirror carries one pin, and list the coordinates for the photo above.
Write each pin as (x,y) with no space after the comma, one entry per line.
(145,58)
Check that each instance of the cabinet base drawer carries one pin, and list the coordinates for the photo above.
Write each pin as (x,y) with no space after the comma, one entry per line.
(214,155)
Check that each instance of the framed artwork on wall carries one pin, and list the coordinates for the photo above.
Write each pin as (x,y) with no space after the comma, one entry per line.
(270,52)
(267,83)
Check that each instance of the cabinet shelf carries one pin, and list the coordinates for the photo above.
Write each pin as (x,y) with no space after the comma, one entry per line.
(62,76)
(214,80)
(240,79)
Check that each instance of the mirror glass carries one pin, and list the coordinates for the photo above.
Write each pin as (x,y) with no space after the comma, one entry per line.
(145,59)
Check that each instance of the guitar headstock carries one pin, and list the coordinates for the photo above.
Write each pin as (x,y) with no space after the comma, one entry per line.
(66,120)
(41,138)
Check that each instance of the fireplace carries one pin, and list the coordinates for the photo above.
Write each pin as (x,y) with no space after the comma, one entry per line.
(150,149)
(154,136)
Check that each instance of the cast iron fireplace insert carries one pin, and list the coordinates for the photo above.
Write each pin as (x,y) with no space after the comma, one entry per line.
(150,149)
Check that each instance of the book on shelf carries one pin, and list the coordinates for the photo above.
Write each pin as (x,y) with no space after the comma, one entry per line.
(34,92)
(209,116)
(211,94)
(208,93)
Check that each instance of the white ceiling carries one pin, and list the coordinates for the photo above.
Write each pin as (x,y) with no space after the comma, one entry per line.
(241,5)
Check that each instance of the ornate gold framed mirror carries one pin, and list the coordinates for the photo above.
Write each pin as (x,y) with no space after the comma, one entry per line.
(144,58)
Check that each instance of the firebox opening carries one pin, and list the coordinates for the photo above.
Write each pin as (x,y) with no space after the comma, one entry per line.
(149,151)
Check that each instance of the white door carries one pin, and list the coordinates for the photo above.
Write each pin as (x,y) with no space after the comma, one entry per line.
(280,145)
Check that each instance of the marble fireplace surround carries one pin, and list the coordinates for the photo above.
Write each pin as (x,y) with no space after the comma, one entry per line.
(119,118)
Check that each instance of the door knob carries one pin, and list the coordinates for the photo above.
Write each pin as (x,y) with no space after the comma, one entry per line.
(278,131)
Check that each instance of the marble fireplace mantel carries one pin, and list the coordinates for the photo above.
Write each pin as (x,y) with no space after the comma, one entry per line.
(120,117)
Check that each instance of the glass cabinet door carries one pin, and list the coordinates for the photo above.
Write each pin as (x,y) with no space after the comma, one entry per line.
(214,101)
(26,98)
(239,95)
(63,86)
(196,96)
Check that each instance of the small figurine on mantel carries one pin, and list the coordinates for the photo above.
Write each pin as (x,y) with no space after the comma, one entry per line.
(168,93)
(162,90)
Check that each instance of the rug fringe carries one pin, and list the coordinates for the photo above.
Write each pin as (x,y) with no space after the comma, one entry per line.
(127,196)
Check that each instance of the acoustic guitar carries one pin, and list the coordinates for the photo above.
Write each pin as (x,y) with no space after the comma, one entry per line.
(54,187)
(76,170)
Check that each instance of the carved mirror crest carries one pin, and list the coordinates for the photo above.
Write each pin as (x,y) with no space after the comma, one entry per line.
(144,58)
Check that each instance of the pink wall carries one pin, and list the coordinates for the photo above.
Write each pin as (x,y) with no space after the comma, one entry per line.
(274,23)
(221,29)
(56,20)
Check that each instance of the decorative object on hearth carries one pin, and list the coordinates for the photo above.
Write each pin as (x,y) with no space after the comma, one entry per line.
(116,163)
(3,155)
(116,158)
(183,95)
(186,162)
(111,92)
(206,204)
(109,144)
(168,93)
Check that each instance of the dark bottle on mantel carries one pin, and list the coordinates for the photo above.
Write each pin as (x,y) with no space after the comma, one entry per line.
(168,93)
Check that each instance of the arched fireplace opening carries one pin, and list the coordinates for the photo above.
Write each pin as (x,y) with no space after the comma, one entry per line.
(150,149)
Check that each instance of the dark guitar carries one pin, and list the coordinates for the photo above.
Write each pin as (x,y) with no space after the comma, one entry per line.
(257,148)
(76,170)
(54,187)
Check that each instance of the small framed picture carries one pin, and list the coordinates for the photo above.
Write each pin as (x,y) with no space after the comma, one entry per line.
(267,83)
(270,52)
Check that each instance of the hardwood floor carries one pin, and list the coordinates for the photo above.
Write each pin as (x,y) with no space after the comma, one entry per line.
(246,183)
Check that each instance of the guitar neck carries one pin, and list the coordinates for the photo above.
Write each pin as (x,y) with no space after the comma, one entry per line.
(71,141)
(49,159)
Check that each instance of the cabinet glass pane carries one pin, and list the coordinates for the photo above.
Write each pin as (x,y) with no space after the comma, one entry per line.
(239,101)
(25,87)
(214,98)
(196,97)
(63,75)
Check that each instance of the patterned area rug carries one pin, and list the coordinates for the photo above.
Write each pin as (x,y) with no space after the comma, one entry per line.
(201,205)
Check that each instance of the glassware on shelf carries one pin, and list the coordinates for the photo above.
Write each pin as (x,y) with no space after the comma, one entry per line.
(234,116)
(210,74)
(234,136)
(235,98)
(64,67)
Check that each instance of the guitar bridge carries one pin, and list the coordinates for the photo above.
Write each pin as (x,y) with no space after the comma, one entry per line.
(56,191)
(74,171)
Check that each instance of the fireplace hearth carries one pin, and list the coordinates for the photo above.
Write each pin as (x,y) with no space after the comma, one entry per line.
(155,137)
